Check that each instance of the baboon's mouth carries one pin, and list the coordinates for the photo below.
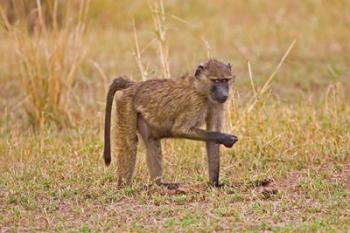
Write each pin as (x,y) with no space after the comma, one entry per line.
(221,101)
(217,100)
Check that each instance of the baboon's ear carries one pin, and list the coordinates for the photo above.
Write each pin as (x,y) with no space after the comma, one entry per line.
(229,66)
(199,70)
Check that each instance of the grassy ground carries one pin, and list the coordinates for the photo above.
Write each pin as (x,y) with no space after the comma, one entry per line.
(289,172)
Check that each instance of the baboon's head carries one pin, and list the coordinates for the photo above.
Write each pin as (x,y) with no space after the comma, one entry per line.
(213,78)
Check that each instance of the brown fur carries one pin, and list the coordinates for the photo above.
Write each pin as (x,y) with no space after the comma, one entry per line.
(164,108)
(118,84)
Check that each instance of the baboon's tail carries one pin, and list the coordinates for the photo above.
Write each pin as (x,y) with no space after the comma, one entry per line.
(117,84)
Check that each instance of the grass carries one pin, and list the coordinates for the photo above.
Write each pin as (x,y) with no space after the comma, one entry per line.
(289,172)
(47,58)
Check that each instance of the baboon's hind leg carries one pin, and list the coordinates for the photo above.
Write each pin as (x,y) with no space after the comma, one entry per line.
(125,138)
(153,150)
(153,154)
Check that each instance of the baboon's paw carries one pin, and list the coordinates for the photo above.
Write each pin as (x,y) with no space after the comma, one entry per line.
(170,186)
(229,140)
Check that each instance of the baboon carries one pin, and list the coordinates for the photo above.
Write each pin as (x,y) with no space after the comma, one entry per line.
(169,108)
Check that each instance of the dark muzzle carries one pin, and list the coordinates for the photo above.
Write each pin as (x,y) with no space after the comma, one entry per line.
(220,92)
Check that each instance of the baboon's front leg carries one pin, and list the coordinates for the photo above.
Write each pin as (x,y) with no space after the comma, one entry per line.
(213,154)
(227,140)
(214,122)
(182,128)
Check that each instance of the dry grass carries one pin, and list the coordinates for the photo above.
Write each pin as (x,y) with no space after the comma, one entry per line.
(48,56)
(289,172)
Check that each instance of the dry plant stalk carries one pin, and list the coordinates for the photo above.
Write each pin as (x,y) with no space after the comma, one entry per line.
(48,58)
(207,47)
(158,16)
(267,84)
(252,81)
(258,94)
(137,54)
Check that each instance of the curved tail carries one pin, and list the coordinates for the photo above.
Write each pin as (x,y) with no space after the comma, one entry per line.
(117,84)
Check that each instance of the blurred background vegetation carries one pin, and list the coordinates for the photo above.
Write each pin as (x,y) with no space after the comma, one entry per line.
(104,47)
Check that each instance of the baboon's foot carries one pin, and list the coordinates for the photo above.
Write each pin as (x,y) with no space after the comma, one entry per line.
(170,186)
(216,185)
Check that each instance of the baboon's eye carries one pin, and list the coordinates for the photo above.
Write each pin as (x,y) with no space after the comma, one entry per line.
(223,80)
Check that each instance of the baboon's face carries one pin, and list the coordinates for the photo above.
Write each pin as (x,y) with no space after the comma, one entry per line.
(215,79)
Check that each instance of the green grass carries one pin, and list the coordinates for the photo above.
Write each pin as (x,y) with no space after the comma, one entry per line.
(289,172)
